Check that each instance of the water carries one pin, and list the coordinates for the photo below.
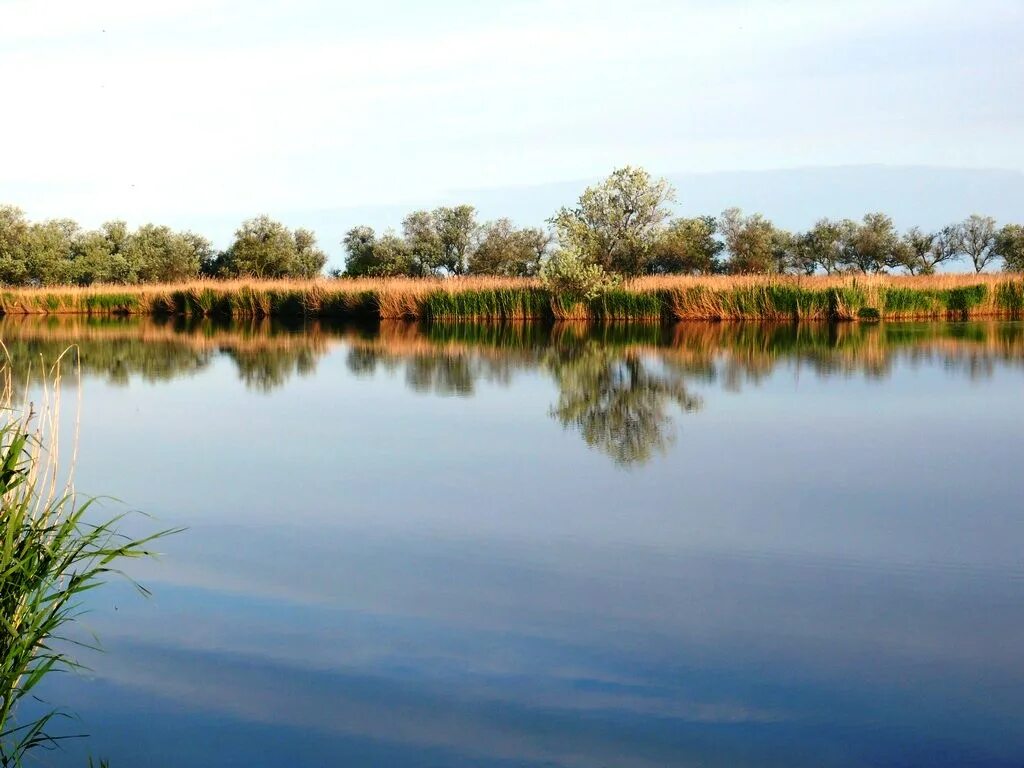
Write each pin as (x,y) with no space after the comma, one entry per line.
(707,545)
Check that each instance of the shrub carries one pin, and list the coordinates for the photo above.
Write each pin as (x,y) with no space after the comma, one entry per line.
(570,276)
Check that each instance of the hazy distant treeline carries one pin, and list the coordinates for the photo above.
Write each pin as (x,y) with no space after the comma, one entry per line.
(623,225)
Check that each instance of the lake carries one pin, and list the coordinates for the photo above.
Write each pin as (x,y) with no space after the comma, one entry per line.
(710,544)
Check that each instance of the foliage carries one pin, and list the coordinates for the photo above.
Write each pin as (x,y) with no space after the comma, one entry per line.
(822,247)
(1009,246)
(616,224)
(872,245)
(50,555)
(923,251)
(976,238)
(622,225)
(687,246)
(573,277)
(440,239)
(751,242)
(503,249)
(264,248)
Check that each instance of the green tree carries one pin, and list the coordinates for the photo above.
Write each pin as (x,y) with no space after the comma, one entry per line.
(13,235)
(309,260)
(48,251)
(455,228)
(359,245)
(617,223)
(503,249)
(823,246)
(751,242)
(976,239)
(1010,247)
(161,255)
(873,245)
(368,256)
(423,242)
(687,246)
(264,248)
(785,257)
(924,251)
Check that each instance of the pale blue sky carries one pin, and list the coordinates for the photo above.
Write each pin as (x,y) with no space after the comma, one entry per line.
(166,110)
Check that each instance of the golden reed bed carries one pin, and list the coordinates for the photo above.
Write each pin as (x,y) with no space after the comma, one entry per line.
(668,298)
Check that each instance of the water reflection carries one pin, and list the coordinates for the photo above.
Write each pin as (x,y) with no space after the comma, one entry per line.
(405,559)
(618,401)
(621,388)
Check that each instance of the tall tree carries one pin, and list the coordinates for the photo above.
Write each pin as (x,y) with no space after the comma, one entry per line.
(423,242)
(873,244)
(687,246)
(360,259)
(264,248)
(161,255)
(823,246)
(309,260)
(1010,247)
(504,249)
(13,235)
(750,240)
(455,229)
(977,239)
(616,223)
(924,251)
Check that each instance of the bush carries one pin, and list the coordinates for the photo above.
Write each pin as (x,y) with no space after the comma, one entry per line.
(567,275)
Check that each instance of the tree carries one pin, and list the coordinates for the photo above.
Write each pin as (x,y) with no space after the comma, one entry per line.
(751,242)
(923,251)
(359,245)
(423,242)
(368,256)
(873,244)
(309,260)
(13,235)
(784,251)
(455,228)
(977,239)
(264,248)
(503,249)
(48,251)
(687,246)
(822,246)
(161,255)
(616,223)
(1010,247)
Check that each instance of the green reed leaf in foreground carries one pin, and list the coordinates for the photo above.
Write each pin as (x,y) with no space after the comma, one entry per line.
(51,553)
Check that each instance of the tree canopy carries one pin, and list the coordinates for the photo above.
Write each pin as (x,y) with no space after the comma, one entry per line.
(622,226)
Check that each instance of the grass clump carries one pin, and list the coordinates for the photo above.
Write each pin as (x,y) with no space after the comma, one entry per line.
(50,555)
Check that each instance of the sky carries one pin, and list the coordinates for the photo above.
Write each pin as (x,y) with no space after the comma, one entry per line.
(170,110)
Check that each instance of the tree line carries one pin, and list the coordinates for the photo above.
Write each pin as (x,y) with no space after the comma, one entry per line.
(60,252)
(622,226)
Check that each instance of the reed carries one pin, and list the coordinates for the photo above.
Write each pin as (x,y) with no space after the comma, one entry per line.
(650,299)
(50,555)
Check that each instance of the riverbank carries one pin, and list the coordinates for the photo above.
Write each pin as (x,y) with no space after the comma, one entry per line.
(651,299)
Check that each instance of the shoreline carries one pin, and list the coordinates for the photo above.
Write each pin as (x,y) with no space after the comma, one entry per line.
(650,299)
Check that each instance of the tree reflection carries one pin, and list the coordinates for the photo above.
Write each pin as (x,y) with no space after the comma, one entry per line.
(619,401)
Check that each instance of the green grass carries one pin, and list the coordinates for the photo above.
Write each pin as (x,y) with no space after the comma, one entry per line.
(645,300)
(51,553)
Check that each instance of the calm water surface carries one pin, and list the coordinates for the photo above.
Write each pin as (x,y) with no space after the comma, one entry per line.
(707,545)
